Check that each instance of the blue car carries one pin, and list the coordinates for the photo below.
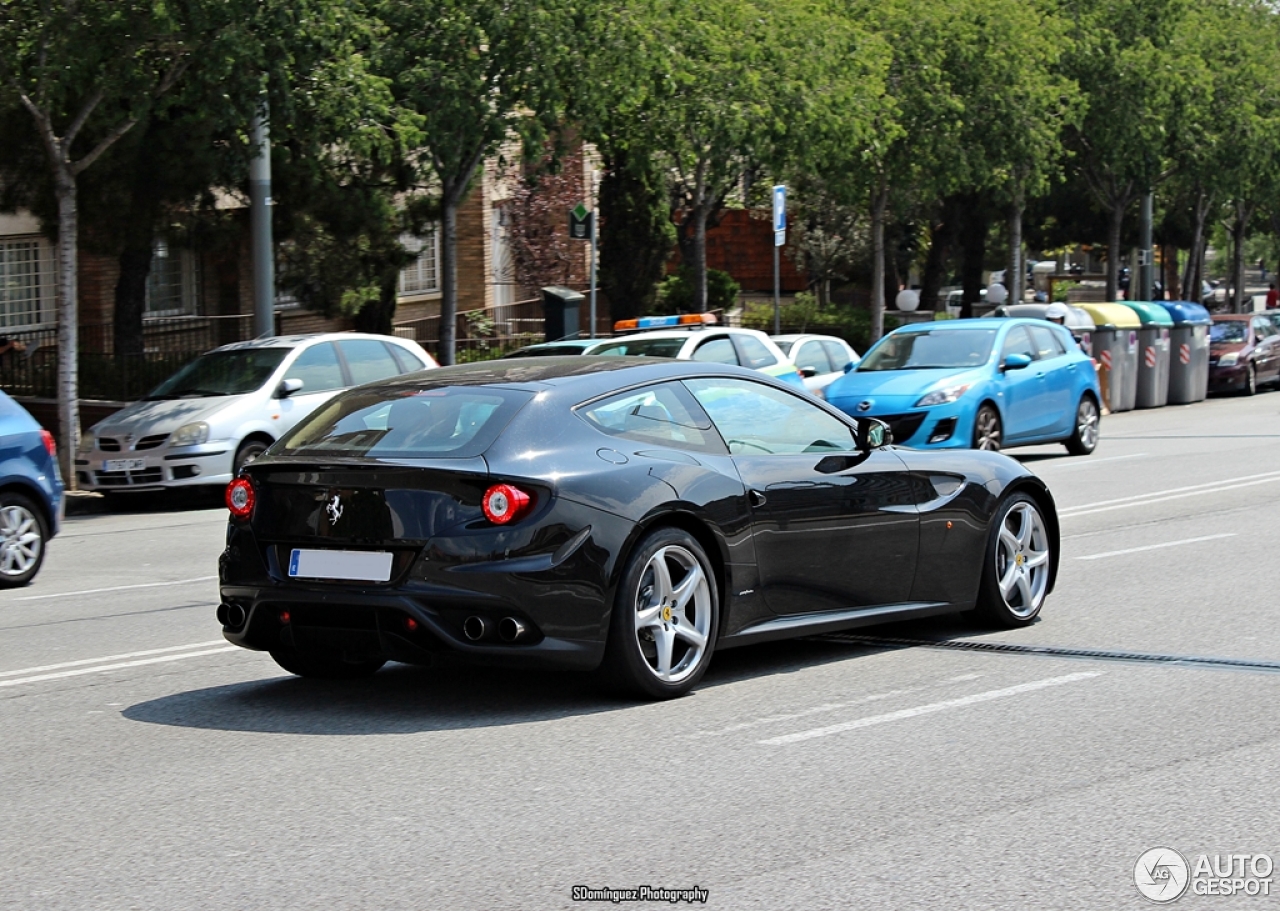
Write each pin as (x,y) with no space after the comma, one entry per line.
(977,384)
(31,502)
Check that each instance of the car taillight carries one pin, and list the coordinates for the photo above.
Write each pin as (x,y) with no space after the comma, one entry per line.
(49,443)
(503,503)
(240,498)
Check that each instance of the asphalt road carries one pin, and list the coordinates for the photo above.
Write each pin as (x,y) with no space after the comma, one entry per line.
(145,764)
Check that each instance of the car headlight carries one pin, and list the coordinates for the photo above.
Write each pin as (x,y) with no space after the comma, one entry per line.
(943,396)
(190,434)
(1229,360)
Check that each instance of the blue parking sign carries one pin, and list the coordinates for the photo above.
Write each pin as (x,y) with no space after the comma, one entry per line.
(779,208)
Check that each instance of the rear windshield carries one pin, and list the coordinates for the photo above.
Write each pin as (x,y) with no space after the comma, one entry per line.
(930,349)
(222,373)
(452,422)
(643,347)
(1229,331)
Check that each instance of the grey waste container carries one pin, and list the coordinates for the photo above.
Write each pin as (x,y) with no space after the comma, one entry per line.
(1115,348)
(560,310)
(1188,352)
(1153,353)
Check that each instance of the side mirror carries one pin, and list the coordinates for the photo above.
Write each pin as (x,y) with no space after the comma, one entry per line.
(288,388)
(808,372)
(849,366)
(873,433)
(1016,362)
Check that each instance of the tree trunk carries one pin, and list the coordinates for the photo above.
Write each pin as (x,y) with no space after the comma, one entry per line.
(1113,252)
(974,245)
(700,214)
(1243,213)
(879,203)
(1193,278)
(131,299)
(1014,272)
(446,346)
(68,323)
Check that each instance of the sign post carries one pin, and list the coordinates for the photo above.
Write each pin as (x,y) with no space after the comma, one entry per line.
(779,238)
(582,226)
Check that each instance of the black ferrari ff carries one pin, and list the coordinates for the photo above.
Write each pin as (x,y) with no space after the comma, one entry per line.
(626,514)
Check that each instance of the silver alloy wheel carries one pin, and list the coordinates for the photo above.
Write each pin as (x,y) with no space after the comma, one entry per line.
(673,614)
(987,429)
(1087,423)
(20,540)
(1022,559)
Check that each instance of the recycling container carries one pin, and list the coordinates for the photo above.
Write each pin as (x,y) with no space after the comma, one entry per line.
(1153,353)
(1115,348)
(1188,352)
(560,309)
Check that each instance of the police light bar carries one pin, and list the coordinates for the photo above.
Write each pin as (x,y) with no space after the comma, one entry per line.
(665,322)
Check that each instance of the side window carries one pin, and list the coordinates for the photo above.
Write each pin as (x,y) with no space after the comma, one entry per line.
(716,351)
(368,360)
(754,353)
(318,368)
(1262,328)
(662,415)
(755,419)
(838,355)
(1017,342)
(1046,342)
(813,356)
(408,361)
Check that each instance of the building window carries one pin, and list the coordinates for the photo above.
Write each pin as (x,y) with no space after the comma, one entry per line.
(26,282)
(420,276)
(173,284)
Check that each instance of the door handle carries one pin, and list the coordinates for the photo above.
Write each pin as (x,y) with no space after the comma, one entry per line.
(756,498)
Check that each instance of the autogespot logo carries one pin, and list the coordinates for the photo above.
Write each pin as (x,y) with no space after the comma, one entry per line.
(1161,875)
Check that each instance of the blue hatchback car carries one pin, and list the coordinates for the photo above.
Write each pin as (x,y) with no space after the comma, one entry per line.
(977,384)
(31,500)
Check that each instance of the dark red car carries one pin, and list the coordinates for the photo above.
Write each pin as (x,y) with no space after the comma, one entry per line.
(1244,352)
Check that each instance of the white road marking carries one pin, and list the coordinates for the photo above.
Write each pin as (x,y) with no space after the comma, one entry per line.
(1085,463)
(117,588)
(115,667)
(792,716)
(83,661)
(1134,550)
(1176,493)
(919,710)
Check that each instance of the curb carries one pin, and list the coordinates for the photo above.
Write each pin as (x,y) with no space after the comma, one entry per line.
(84,502)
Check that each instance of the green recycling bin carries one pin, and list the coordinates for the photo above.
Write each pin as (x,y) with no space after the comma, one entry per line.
(1115,348)
(1153,353)
(1188,352)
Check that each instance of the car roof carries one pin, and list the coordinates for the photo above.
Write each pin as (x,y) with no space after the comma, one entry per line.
(693,332)
(293,341)
(983,322)
(802,336)
(1234,317)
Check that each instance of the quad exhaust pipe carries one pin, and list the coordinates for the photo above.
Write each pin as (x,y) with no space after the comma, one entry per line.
(509,629)
(475,628)
(231,615)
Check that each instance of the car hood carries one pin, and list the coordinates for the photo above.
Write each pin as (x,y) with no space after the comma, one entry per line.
(1221,348)
(164,416)
(900,382)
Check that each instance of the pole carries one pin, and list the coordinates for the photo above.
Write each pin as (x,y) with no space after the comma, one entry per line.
(1148,261)
(777,307)
(595,214)
(264,271)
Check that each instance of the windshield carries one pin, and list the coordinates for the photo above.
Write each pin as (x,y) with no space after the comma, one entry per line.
(1229,331)
(643,347)
(222,373)
(930,348)
(452,422)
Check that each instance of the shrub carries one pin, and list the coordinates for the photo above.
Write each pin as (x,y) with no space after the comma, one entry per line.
(675,293)
(853,324)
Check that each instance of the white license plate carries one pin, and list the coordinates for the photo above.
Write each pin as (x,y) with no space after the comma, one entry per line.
(355,565)
(124,464)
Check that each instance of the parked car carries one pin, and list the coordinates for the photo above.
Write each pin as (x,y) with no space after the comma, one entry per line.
(201,426)
(31,495)
(821,359)
(672,508)
(1244,352)
(565,346)
(981,383)
(748,348)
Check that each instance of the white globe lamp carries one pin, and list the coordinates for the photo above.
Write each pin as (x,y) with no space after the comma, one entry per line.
(907,299)
(997,294)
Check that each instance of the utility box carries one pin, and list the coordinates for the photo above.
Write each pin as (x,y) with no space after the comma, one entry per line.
(1115,348)
(1153,353)
(560,310)
(1189,352)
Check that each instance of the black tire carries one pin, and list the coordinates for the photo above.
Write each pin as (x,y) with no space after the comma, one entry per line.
(325,665)
(24,535)
(1084,433)
(679,616)
(987,432)
(248,451)
(1250,381)
(1018,566)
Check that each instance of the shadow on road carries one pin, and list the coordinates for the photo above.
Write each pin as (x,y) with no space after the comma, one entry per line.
(401,699)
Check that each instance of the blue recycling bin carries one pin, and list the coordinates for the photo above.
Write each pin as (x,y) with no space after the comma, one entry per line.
(1189,352)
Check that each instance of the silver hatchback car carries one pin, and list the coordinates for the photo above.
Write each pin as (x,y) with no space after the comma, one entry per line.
(227,406)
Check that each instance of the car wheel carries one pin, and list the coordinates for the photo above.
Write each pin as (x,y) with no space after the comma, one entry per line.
(23,534)
(248,451)
(986,429)
(1015,574)
(1084,436)
(1250,381)
(324,665)
(665,617)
